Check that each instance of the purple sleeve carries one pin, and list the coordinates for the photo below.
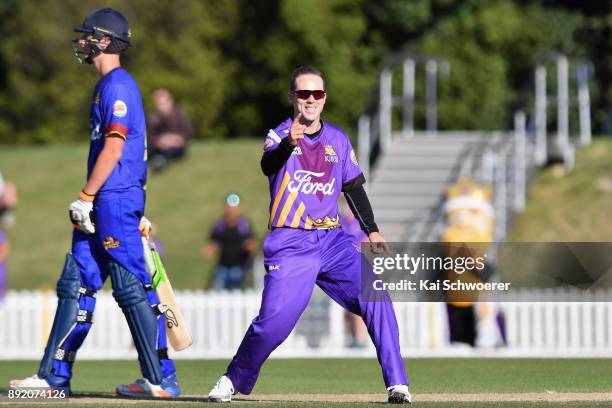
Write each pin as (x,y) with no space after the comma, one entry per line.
(244,226)
(350,167)
(217,230)
(3,237)
(272,141)
(274,136)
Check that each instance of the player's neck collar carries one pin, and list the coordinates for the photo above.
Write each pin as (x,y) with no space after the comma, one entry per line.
(118,67)
(314,135)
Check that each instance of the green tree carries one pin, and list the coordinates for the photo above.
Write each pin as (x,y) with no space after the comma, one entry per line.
(228,62)
(46,94)
(492,51)
(286,34)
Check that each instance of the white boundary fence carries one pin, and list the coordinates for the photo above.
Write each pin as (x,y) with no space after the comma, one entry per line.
(218,320)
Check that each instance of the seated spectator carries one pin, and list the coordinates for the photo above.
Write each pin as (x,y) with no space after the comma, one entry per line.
(168,130)
(8,202)
(232,240)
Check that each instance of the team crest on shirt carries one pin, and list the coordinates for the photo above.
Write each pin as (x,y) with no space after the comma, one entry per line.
(110,243)
(330,154)
(119,108)
(329,150)
(297,151)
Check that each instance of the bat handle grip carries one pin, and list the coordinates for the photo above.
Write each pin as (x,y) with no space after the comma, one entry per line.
(148,256)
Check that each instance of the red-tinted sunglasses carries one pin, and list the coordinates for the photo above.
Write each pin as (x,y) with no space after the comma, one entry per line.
(305,94)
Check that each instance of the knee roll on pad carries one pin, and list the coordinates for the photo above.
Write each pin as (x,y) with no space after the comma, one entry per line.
(66,313)
(142,321)
(127,289)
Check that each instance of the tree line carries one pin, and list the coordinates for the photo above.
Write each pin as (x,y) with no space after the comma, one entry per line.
(228,62)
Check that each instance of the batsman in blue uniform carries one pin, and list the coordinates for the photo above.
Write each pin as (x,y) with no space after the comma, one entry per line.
(106,239)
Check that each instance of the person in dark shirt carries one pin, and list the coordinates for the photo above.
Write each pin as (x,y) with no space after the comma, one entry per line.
(169,131)
(232,239)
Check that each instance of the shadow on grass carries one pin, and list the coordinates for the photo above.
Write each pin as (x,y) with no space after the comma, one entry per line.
(112,396)
(83,395)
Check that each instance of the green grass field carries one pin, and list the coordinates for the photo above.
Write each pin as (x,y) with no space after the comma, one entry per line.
(572,208)
(184,202)
(352,377)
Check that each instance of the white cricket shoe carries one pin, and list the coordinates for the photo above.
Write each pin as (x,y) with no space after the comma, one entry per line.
(399,394)
(142,388)
(222,391)
(30,382)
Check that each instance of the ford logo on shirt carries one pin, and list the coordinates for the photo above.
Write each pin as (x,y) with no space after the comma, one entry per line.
(302,183)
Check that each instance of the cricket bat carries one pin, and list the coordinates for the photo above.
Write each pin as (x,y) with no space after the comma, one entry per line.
(177,333)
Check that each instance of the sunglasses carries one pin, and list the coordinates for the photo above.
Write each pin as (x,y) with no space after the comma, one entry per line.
(305,94)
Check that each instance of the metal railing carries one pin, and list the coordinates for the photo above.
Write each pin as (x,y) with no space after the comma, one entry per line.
(375,126)
(560,147)
(506,161)
(501,161)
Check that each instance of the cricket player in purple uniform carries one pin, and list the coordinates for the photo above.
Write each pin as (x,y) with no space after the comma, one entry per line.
(309,162)
(106,238)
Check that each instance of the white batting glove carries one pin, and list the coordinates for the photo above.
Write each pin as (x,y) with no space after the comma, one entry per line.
(144,226)
(80,214)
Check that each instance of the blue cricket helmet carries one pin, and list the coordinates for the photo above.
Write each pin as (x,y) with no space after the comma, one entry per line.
(108,22)
(100,23)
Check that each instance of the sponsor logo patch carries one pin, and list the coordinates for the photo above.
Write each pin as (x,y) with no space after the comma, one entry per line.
(119,108)
(326,222)
(302,183)
(171,320)
(97,99)
(110,243)
(95,133)
(297,151)
(329,150)
(354,158)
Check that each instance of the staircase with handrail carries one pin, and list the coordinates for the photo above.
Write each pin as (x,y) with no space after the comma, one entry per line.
(409,171)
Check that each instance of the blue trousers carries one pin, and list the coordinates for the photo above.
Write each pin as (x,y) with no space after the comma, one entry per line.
(116,238)
(228,277)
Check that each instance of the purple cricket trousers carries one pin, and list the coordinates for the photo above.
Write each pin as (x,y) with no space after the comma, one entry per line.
(296,260)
